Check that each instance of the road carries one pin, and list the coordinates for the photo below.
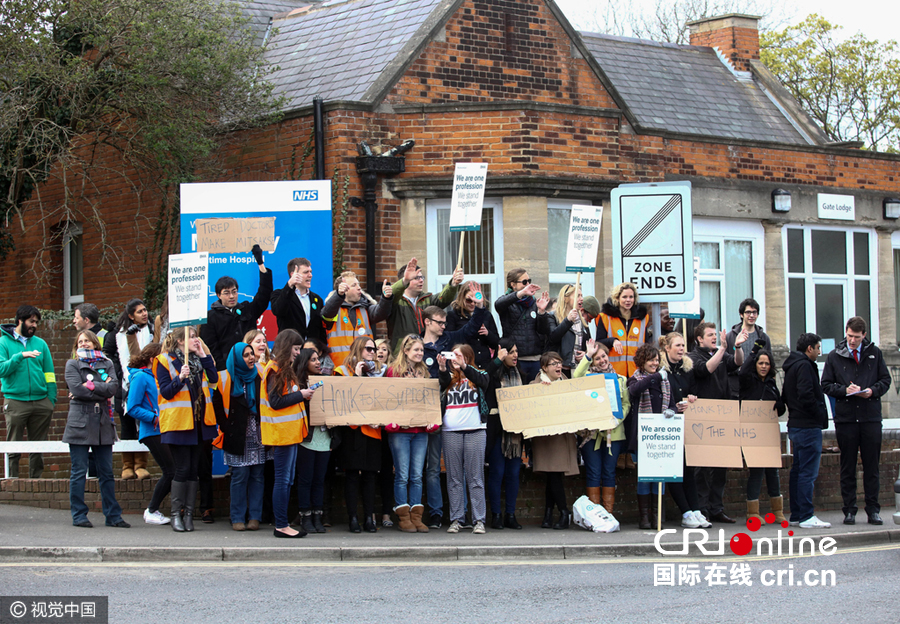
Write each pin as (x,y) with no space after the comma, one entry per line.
(608,590)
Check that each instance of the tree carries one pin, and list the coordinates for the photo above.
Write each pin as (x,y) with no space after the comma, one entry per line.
(851,88)
(161,83)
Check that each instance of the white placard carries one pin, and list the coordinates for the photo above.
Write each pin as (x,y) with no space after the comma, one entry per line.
(842,207)
(689,309)
(660,447)
(584,239)
(468,196)
(188,277)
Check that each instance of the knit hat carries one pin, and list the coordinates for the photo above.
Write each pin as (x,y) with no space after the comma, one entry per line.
(591,306)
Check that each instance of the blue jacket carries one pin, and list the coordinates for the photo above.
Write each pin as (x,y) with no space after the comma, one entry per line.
(143,402)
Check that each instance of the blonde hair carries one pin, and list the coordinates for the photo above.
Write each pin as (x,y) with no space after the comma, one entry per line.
(253,333)
(387,343)
(563,306)
(174,336)
(402,366)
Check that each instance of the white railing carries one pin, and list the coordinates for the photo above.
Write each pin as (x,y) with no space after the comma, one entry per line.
(56,446)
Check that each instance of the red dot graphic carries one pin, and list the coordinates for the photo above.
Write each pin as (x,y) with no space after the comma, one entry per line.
(753,524)
(770,518)
(784,524)
(741,544)
(791,533)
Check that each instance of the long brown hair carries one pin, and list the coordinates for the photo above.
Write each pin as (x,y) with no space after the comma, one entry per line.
(286,340)
(355,355)
(459,375)
(146,355)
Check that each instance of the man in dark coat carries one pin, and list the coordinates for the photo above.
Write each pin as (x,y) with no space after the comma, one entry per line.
(297,307)
(749,312)
(856,376)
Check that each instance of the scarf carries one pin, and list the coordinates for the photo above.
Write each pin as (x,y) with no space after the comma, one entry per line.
(193,361)
(511,443)
(645,406)
(242,378)
(90,356)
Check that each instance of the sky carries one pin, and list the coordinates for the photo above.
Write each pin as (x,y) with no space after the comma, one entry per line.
(876,19)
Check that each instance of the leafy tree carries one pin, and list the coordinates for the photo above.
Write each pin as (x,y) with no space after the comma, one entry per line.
(851,87)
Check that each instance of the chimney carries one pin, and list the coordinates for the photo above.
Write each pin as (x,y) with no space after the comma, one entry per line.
(735,36)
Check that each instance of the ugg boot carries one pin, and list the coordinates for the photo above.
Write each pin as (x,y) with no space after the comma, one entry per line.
(593,494)
(190,498)
(404,523)
(644,509)
(753,510)
(608,496)
(415,516)
(140,466)
(777,505)
(128,466)
(177,501)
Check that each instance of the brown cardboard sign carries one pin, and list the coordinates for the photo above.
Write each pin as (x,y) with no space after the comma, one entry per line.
(759,434)
(235,235)
(564,406)
(711,434)
(375,401)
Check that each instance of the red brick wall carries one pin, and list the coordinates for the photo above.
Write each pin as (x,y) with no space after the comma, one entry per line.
(738,45)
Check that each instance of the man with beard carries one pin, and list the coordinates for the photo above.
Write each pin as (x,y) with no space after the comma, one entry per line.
(29,386)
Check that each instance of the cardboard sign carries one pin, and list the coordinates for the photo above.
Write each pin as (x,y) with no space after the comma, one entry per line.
(584,239)
(188,276)
(375,401)
(468,196)
(235,235)
(760,434)
(710,434)
(660,447)
(561,407)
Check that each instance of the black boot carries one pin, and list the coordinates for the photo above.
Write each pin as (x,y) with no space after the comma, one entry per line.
(177,500)
(510,522)
(563,523)
(190,498)
(497,521)
(317,521)
(644,511)
(354,525)
(306,521)
(369,525)
(548,518)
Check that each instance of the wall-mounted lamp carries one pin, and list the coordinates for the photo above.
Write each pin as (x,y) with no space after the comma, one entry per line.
(781,200)
(891,208)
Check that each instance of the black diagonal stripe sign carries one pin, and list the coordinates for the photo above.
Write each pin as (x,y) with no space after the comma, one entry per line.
(641,236)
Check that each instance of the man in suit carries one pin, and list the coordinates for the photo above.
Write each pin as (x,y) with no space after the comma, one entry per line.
(295,306)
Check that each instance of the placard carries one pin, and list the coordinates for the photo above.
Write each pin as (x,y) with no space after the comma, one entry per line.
(760,435)
(188,277)
(688,309)
(711,434)
(468,196)
(375,401)
(564,406)
(235,235)
(614,392)
(584,239)
(660,447)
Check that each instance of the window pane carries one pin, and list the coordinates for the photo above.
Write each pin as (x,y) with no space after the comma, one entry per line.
(897,287)
(829,252)
(708,254)
(76,266)
(710,301)
(478,253)
(830,311)
(863,301)
(738,276)
(797,300)
(861,253)
(558,239)
(795,251)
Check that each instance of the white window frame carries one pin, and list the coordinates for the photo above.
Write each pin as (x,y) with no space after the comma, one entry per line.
(70,300)
(587,279)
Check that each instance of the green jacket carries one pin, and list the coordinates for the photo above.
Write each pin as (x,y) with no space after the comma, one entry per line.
(407,319)
(21,378)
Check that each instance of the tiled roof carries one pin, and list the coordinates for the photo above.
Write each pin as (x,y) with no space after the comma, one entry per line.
(261,12)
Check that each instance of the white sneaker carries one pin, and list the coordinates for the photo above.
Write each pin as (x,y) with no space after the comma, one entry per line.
(155,518)
(814,523)
(689,520)
(454,527)
(701,519)
(479,528)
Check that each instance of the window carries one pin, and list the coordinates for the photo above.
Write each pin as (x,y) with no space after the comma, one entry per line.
(73,267)
(558,216)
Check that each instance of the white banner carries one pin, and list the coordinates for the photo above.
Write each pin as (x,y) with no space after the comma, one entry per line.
(188,277)
(660,447)
(584,239)
(468,196)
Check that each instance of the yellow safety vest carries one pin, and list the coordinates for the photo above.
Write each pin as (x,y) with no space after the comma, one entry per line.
(177,414)
(631,339)
(280,427)
(342,333)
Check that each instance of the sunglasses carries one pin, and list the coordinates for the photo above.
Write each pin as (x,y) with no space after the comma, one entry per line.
(526,282)
(370,349)
(469,300)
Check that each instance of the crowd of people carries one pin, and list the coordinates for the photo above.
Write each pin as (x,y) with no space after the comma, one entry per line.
(183,392)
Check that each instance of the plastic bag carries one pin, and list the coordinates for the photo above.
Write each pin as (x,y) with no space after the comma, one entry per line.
(593,517)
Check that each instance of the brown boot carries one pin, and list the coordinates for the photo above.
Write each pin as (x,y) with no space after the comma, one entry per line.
(593,493)
(415,516)
(140,466)
(644,509)
(753,510)
(609,498)
(404,523)
(777,505)
(128,466)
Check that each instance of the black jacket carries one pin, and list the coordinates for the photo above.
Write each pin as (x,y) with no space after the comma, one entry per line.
(733,381)
(802,393)
(653,384)
(226,327)
(482,345)
(561,338)
(234,425)
(712,385)
(752,388)
(450,338)
(290,314)
(841,370)
(519,322)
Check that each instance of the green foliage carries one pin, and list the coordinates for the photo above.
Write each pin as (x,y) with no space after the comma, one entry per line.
(339,219)
(851,88)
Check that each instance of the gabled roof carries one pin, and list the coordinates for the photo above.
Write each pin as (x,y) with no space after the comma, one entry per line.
(261,12)
(689,90)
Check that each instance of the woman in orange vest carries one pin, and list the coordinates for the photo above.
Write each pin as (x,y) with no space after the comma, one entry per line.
(186,416)
(283,422)
(622,327)
(360,448)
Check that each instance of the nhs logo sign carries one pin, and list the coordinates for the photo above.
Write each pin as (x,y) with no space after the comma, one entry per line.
(306,195)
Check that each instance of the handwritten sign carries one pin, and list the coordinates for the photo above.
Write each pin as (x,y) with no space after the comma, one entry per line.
(375,401)
(711,434)
(561,407)
(235,235)
(760,435)
(660,447)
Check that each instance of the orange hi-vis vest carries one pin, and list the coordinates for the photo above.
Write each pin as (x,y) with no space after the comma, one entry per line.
(342,333)
(372,432)
(177,414)
(224,386)
(280,427)
(631,339)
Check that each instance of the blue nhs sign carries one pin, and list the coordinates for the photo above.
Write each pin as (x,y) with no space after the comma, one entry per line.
(306,195)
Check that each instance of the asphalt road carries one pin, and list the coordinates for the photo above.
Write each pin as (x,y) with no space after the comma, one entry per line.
(607,590)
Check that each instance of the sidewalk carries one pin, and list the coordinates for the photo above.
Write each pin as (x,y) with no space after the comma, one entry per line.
(29,534)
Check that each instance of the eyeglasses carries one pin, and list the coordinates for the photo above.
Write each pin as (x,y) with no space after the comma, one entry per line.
(418,277)
(525,282)
(751,312)
(370,349)
(441,323)
(229,293)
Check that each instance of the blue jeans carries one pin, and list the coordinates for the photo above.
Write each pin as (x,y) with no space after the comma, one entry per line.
(285,469)
(433,475)
(103,459)
(311,469)
(247,492)
(408,450)
(600,466)
(503,471)
(806,446)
